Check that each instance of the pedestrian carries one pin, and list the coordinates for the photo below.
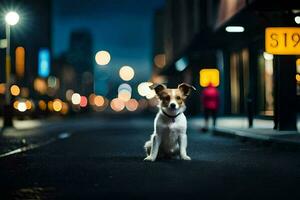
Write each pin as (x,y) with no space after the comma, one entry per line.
(210,102)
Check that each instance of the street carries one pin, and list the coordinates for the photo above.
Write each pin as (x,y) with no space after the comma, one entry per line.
(105,161)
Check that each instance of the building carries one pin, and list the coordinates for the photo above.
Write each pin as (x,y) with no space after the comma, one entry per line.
(75,66)
(251,79)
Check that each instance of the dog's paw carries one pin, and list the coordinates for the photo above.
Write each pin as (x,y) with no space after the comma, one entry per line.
(186,158)
(149,158)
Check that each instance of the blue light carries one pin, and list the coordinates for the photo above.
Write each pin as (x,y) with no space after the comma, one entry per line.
(44,63)
(181,64)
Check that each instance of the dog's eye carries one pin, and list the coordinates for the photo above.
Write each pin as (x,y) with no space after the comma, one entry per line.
(178,97)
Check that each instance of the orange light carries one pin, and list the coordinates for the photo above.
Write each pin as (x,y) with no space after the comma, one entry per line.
(99,101)
(15,90)
(65,108)
(57,105)
(42,105)
(298,77)
(92,99)
(20,61)
(124,95)
(117,105)
(50,105)
(132,105)
(16,103)
(2,88)
(160,60)
(28,104)
(207,76)
(298,62)
(40,85)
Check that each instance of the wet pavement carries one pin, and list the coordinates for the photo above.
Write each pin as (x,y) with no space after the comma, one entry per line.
(104,160)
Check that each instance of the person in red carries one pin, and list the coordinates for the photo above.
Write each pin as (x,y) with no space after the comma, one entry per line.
(210,101)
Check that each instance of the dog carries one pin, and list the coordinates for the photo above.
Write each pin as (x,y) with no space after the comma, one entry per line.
(169,138)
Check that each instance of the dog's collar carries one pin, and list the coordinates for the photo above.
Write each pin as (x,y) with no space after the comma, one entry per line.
(171,116)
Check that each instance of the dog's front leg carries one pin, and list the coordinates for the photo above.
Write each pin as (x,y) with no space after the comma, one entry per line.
(182,146)
(154,148)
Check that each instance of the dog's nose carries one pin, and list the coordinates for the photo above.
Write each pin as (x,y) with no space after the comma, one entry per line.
(172,105)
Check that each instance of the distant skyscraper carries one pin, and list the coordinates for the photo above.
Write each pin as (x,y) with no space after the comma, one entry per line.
(80,57)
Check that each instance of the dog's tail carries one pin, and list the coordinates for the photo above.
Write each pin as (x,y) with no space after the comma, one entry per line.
(147,147)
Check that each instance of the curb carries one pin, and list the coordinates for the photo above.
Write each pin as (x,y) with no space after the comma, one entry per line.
(257,138)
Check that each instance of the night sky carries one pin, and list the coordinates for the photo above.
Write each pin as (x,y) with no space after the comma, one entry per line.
(122,27)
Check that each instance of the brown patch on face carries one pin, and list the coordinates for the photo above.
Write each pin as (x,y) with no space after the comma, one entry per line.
(179,97)
(165,97)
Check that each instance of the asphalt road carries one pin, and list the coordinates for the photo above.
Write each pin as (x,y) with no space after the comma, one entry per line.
(106,162)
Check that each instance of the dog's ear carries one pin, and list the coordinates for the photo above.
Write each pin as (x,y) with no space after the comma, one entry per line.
(158,88)
(186,88)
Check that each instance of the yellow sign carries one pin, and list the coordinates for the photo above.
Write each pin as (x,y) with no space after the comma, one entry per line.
(282,40)
(208,76)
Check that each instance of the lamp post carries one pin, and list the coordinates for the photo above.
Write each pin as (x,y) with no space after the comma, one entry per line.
(11,19)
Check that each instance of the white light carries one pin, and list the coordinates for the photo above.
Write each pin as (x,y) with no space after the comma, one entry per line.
(3,43)
(297,19)
(144,89)
(268,56)
(235,29)
(102,57)
(126,73)
(76,99)
(22,107)
(12,18)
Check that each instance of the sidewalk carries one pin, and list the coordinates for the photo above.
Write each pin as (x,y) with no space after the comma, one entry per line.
(262,131)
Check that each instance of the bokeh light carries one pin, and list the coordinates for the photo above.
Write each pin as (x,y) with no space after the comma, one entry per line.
(117,105)
(126,73)
(124,95)
(2,88)
(69,94)
(12,18)
(298,77)
(65,108)
(92,99)
(50,105)
(15,90)
(145,91)
(42,105)
(83,101)
(125,86)
(76,99)
(99,101)
(28,105)
(132,105)
(22,106)
(40,85)
(102,57)
(57,105)
(15,104)
(160,60)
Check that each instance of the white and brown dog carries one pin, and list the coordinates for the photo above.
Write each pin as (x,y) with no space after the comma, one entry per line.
(169,137)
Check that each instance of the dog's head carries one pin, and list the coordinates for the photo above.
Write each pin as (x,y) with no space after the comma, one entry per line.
(172,101)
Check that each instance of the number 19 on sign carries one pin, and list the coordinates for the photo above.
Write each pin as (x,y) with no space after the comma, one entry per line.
(282,40)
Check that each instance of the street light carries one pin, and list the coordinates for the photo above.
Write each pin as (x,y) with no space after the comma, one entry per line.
(11,19)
